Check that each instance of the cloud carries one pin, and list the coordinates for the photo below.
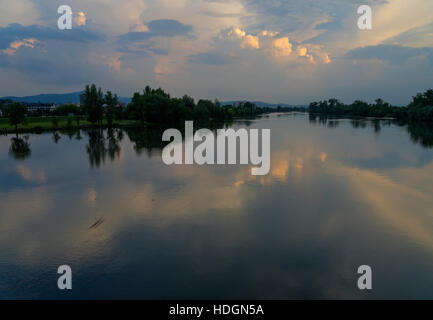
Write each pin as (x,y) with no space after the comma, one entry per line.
(135,36)
(210,58)
(301,51)
(115,63)
(237,33)
(180,39)
(138,39)
(250,42)
(169,28)
(266,33)
(416,37)
(267,45)
(15,45)
(18,11)
(247,41)
(329,25)
(139,28)
(393,54)
(80,19)
(28,175)
(282,47)
(17,31)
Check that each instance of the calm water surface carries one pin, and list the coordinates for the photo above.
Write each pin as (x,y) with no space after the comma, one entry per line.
(341,193)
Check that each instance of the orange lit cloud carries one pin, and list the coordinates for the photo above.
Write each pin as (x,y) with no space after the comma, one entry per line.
(14,46)
(251,42)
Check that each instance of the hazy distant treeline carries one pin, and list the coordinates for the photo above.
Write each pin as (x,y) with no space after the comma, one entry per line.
(420,109)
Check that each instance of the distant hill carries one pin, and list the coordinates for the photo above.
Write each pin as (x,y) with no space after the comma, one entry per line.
(74,97)
(262,104)
(62,98)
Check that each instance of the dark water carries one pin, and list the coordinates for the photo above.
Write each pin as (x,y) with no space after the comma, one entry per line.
(341,193)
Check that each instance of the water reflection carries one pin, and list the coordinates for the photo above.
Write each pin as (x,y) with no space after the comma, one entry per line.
(56,137)
(419,132)
(338,195)
(20,147)
(100,146)
(145,139)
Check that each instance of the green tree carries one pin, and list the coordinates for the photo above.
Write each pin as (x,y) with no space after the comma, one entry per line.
(421,107)
(93,101)
(111,102)
(17,114)
(67,109)
(137,108)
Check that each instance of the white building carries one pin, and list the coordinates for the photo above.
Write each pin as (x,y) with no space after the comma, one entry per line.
(33,107)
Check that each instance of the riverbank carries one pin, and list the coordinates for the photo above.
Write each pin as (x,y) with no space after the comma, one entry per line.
(41,124)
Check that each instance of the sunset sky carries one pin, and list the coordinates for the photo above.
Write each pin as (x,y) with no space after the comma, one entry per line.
(278,51)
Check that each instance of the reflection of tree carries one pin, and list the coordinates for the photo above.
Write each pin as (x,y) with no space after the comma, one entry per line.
(78,135)
(99,147)
(146,139)
(20,148)
(150,138)
(333,123)
(56,137)
(312,118)
(422,133)
(96,149)
(70,132)
(358,123)
(113,144)
(377,126)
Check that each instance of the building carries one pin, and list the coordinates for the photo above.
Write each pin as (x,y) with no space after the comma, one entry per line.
(45,107)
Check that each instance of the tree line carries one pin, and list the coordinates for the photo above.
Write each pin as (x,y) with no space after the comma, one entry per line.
(153,106)
(156,106)
(420,108)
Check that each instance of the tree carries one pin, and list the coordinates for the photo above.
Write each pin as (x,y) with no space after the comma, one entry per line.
(249,107)
(188,102)
(421,107)
(137,108)
(111,102)
(17,114)
(93,101)
(67,109)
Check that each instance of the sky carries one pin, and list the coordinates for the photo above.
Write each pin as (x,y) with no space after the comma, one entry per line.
(279,51)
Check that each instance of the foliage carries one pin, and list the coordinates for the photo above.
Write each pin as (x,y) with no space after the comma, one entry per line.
(112,103)
(67,109)
(358,108)
(156,106)
(93,101)
(421,107)
(17,114)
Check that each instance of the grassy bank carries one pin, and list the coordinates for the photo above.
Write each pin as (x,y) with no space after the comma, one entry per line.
(35,124)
